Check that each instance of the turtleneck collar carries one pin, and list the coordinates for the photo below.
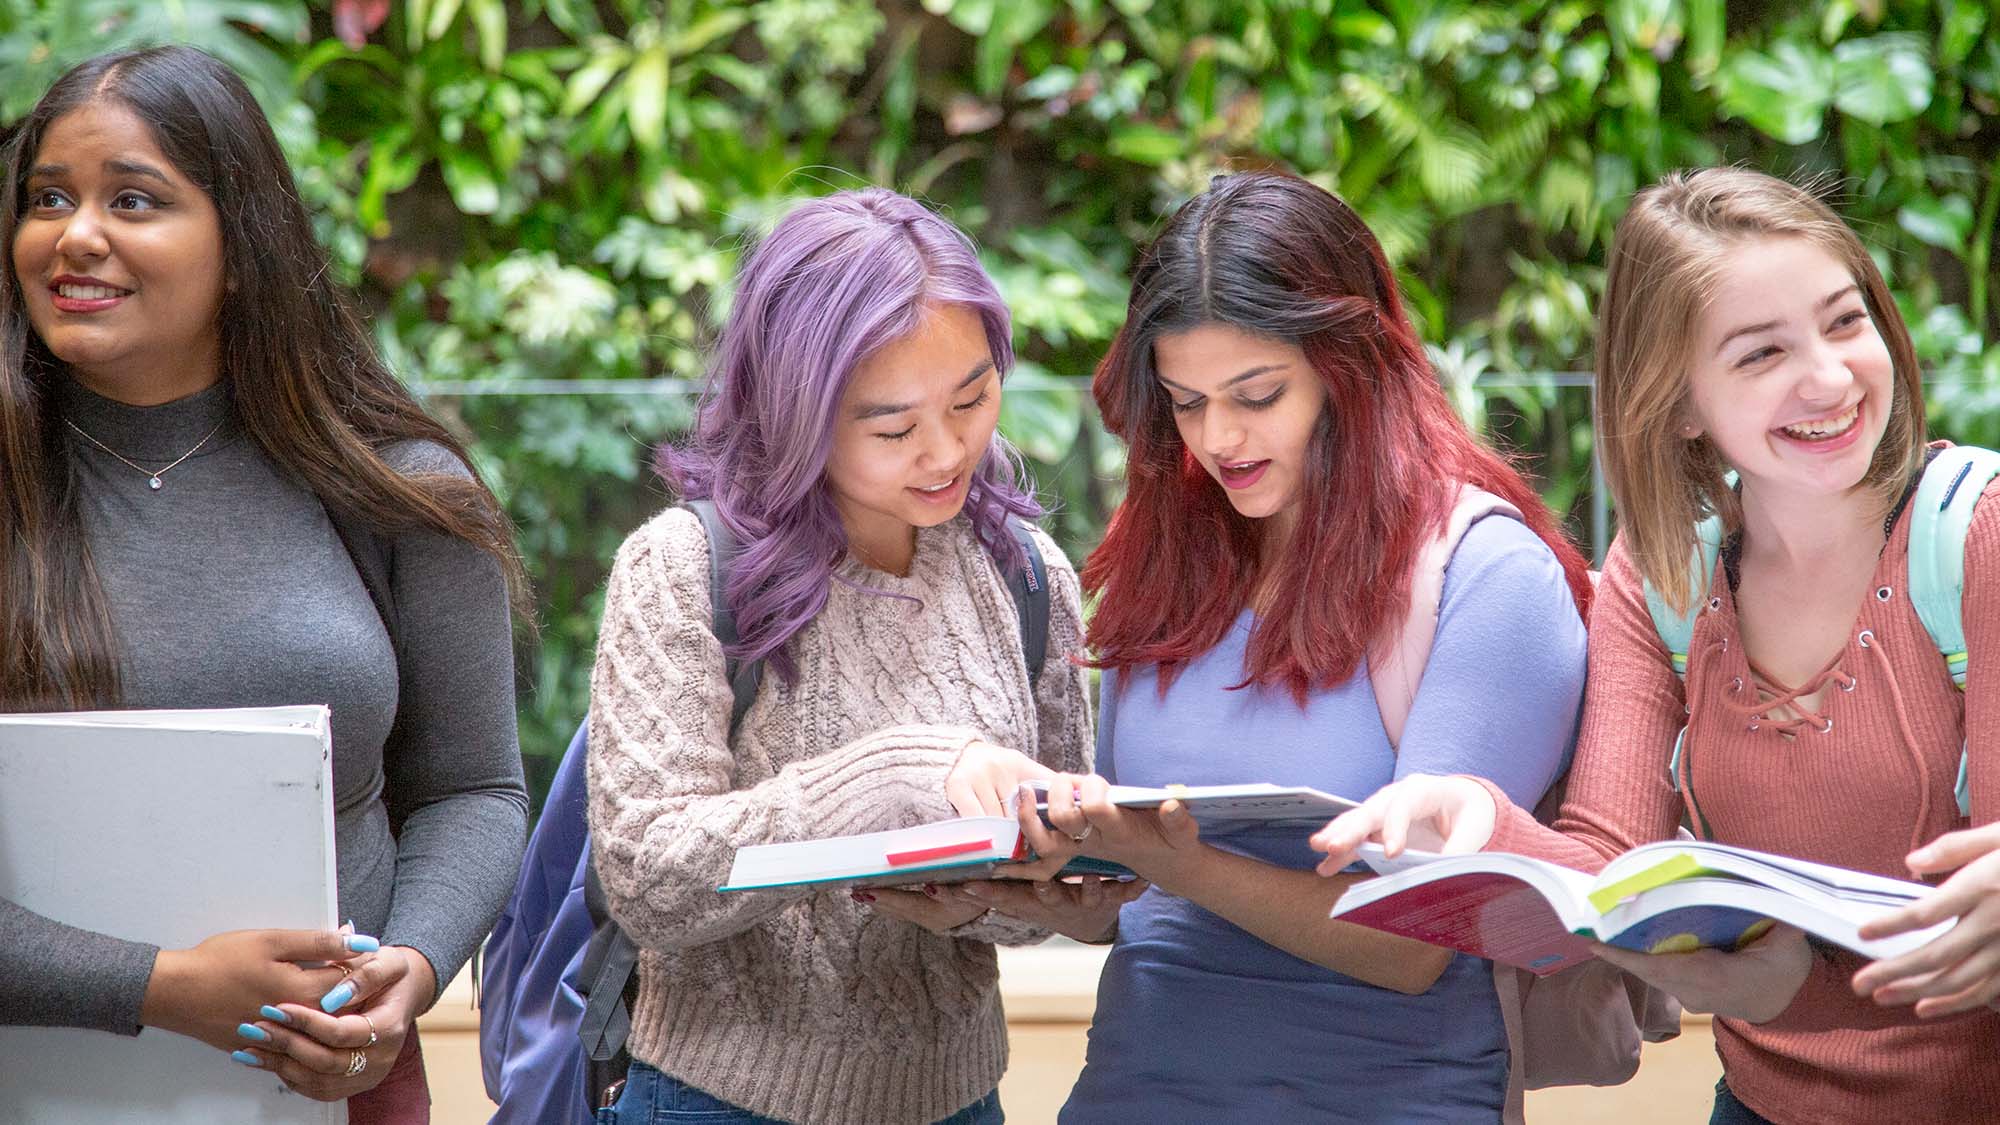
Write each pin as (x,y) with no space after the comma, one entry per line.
(150,433)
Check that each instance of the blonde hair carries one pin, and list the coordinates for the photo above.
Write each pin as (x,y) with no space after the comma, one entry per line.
(1667,258)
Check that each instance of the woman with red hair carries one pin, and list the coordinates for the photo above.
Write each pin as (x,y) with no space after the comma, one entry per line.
(1291,454)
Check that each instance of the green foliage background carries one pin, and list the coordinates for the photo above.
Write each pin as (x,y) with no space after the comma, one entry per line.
(556,191)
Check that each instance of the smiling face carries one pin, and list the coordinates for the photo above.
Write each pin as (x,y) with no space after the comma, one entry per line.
(1245,406)
(120,259)
(913,425)
(1789,376)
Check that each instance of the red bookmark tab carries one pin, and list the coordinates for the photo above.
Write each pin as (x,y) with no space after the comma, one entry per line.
(942,851)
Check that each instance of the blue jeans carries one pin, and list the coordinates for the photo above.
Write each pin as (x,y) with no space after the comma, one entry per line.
(653,1098)
(1729,1111)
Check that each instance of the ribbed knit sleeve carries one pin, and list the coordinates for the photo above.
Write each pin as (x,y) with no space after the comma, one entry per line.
(1619,794)
(665,816)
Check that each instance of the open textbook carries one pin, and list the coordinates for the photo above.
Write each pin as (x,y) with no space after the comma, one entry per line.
(1665,897)
(1225,807)
(163,827)
(966,848)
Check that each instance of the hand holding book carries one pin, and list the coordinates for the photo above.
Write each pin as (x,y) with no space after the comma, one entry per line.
(1961,970)
(1086,820)
(1753,983)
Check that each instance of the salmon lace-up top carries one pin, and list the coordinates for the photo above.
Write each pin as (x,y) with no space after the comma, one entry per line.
(1854,767)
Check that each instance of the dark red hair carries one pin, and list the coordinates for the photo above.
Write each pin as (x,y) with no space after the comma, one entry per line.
(1275,256)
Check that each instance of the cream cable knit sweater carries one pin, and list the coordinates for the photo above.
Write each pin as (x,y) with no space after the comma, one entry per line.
(796,1004)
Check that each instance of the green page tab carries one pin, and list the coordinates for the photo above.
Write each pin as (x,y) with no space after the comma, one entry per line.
(1672,869)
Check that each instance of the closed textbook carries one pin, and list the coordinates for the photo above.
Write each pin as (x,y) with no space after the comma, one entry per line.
(164,827)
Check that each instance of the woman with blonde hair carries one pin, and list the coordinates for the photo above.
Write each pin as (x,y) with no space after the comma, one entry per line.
(1755,380)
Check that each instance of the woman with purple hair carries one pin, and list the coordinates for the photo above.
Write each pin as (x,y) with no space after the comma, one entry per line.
(847,441)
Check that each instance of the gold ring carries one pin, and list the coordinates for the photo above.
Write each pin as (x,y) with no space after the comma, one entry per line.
(345,972)
(372,1037)
(1080,837)
(357,1062)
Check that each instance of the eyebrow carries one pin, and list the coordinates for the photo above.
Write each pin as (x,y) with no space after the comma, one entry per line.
(1264,369)
(122,167)
(1825,303)
(868,410)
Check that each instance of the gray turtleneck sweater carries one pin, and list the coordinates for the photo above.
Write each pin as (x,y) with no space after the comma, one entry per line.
(229,587)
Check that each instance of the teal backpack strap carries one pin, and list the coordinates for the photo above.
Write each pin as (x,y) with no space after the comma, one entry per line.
(1676,627)
(1940,517)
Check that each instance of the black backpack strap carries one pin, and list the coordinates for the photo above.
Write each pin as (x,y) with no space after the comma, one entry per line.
(608,977)
(745,677)
(1030,587)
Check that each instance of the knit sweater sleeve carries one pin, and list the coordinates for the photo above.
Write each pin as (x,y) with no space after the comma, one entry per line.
(1619,795)
(666,813)
(1062,717)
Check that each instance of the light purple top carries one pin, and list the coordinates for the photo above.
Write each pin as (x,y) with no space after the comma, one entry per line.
(1198,1020)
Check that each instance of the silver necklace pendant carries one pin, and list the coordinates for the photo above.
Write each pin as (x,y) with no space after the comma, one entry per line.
(154,484)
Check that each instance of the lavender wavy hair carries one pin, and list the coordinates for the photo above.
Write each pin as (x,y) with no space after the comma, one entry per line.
(837,279)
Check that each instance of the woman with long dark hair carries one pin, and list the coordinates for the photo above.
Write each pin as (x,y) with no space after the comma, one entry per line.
(199,441)
(1291,454)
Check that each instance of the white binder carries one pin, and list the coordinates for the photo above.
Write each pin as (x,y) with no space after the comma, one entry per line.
(165,827)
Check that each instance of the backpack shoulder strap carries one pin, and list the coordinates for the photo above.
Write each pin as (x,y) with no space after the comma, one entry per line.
(1940,518)
(1030,588)
(1396,664)
(1676,627)
(744,677)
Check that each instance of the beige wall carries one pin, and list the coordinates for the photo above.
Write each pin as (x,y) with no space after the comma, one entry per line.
(1050,992)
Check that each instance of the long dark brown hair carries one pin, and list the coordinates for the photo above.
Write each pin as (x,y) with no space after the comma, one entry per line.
(1276,256)
(300,368)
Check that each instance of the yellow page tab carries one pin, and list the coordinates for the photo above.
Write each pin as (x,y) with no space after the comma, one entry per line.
(1674,868)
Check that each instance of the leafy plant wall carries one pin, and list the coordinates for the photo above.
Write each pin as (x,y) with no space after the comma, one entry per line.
(542,202)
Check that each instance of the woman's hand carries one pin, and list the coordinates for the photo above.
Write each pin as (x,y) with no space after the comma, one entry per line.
(206,992)
(1753,984)
(986,775)
(1150,842)
(1446,814)
(1959,969)
(313,1046)
(930,907)
(1086,910)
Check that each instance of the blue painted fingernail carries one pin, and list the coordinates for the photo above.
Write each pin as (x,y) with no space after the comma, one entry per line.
(340,995)
(362,943)
(252,1031)
(270,1013)
(246,1058)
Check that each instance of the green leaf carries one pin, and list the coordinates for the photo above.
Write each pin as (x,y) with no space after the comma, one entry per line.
(590,79)
(441,18)
(1945,223)
(489,18)
(1147,144)
(1882,79)
(1783,94)
(706,30)
(1959,25)
(646,97)
(473,185)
